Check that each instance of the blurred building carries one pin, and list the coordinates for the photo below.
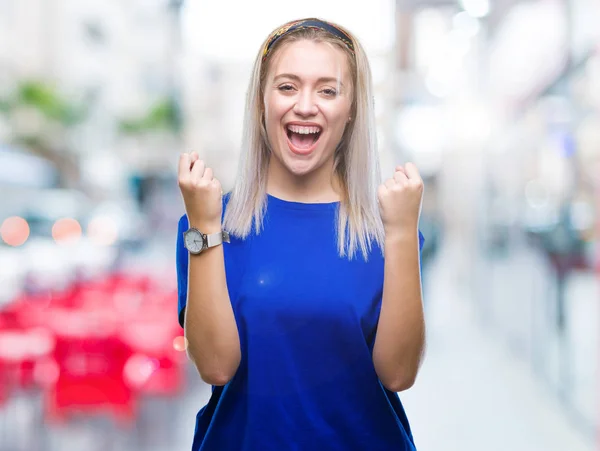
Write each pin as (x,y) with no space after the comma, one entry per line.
(498,104)
(120,60)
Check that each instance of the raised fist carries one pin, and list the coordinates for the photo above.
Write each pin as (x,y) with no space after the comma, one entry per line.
(400,199)
(201,191)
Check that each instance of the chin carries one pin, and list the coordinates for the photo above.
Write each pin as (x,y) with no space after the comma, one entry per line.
(299,168)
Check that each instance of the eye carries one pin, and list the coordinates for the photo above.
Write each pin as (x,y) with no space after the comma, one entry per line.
(329,92)
(286,88)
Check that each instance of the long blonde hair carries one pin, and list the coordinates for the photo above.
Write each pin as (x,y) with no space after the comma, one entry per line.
(356,160)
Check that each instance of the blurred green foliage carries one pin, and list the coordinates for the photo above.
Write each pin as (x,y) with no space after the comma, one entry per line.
(46,99)
(59,112)
(164,115)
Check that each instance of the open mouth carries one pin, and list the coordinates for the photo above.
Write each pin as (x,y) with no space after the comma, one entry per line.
(303,138)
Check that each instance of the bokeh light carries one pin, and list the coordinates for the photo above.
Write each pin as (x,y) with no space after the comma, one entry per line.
(14,231)
(66,230)
(102,231)
(46,372)
(138,369)
(180,343)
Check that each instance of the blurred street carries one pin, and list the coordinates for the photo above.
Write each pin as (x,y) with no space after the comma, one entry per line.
(476,393)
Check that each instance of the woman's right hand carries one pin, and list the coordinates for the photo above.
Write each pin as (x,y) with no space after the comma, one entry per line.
(201,191)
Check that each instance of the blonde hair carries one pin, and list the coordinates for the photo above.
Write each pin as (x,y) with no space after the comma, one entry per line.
(356,159)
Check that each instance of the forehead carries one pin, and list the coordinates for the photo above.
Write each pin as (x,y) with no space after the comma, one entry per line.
(310,60)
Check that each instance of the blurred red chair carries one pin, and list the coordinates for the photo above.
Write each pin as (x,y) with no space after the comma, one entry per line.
(22,346)
(94,345)
(156,367)
(90,360)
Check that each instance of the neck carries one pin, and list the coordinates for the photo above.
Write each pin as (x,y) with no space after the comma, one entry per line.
(321,185)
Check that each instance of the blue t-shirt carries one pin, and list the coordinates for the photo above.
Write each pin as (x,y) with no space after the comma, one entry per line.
(307,320)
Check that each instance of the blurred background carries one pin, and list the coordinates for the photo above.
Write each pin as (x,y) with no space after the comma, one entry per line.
(496,101)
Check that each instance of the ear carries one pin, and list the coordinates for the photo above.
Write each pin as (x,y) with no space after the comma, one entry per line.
(262,117)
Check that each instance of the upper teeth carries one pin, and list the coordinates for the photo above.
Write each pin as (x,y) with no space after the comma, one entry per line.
(303,130)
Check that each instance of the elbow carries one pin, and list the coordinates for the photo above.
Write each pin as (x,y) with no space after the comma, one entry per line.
(397,375)
(399,384)
(217,374)
(216,364)
(217,379)
(399,380)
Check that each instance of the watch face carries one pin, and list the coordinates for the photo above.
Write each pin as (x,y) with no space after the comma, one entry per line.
(193,241)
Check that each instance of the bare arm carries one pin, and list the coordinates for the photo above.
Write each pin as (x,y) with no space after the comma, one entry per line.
(210,327)
(400,340)
(209,323)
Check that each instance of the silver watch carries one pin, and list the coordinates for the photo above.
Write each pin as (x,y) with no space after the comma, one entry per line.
(196,242)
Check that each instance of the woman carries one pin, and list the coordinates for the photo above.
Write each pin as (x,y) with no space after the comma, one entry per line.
(304,330)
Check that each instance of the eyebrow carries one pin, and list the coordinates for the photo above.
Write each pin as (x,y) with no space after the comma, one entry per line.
(320,80)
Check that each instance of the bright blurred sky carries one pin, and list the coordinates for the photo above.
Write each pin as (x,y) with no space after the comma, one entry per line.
(236,29)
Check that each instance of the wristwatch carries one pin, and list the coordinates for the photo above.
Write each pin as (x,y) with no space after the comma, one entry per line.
(197,242)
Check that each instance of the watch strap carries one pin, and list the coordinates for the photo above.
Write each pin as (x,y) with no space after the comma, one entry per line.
(214,239)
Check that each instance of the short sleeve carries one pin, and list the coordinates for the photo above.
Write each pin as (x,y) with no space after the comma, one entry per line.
(182,269)
(421,242)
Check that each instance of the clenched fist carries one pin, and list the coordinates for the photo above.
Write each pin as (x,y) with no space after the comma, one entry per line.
(201,193)
(400,200)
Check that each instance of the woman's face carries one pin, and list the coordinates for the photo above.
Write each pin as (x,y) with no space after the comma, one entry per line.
(307,104)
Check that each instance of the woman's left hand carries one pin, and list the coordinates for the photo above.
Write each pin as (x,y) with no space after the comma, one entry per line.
(400,199)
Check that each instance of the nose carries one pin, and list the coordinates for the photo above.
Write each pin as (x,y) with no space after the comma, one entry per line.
(305,105)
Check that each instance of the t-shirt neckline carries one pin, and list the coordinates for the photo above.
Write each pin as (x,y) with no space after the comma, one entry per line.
(312,206)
